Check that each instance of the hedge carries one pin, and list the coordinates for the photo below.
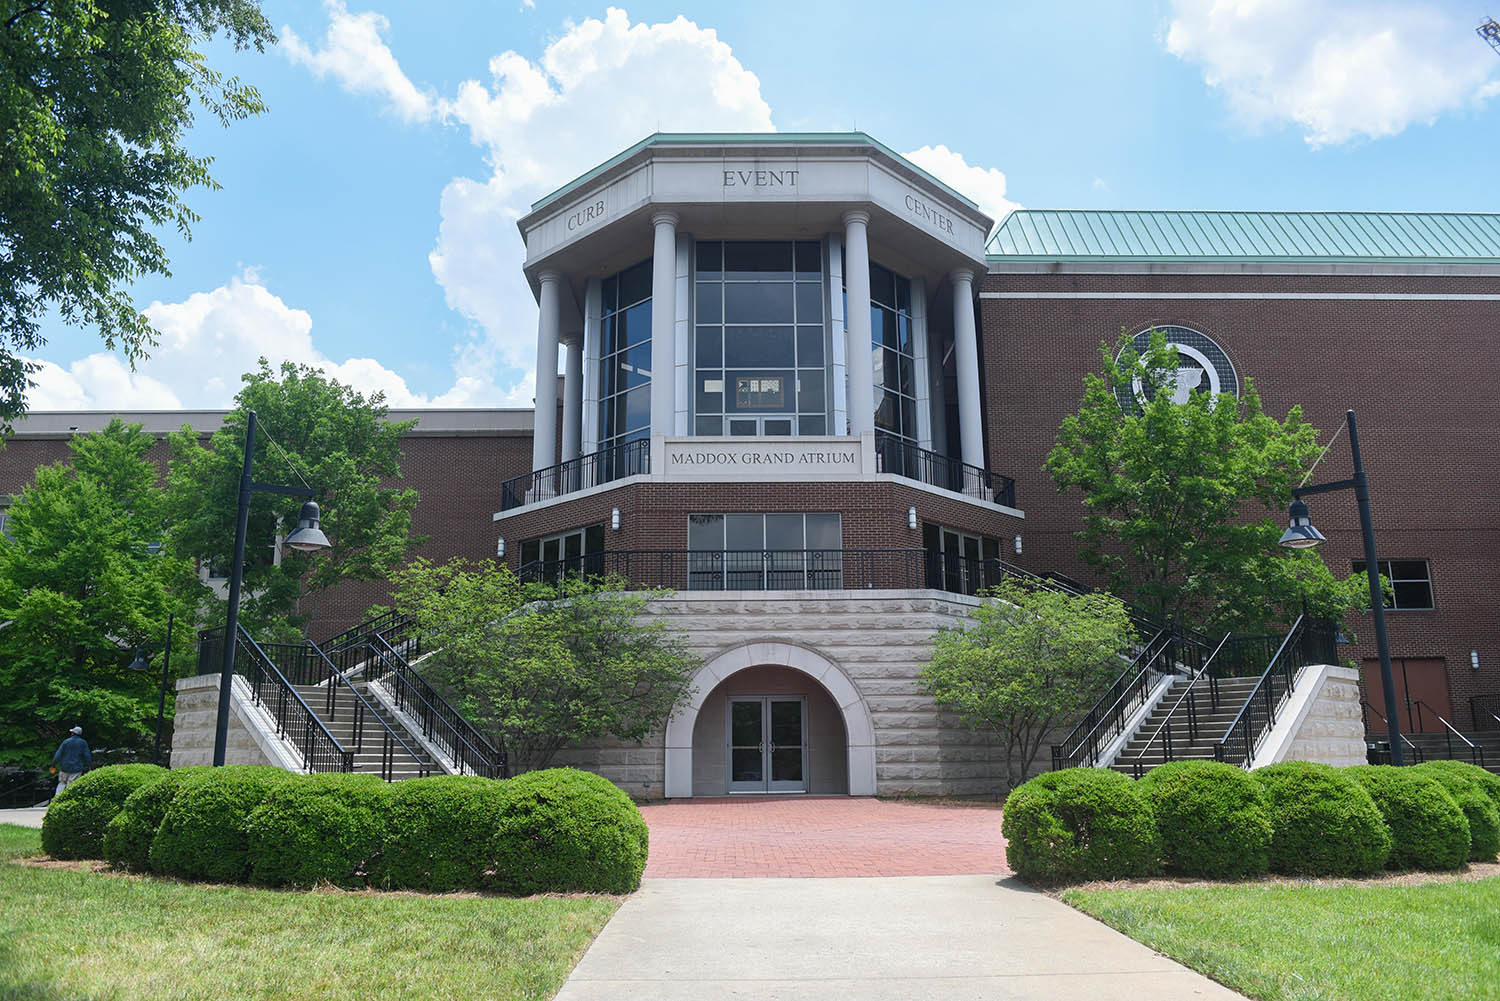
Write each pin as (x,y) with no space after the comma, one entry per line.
(566,830)
(1323,821)
(1212,819)
(320,829)
(75,821)
(127,839)
(1080,824)
(439,831)
(1478,808)
(1428,830)
(203,834)
(1488,782)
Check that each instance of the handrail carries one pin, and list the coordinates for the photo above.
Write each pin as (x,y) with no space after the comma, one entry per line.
(353,634)
(1192,712)
(1476,753)
(909,460)
(361,708)
(441,722)
(611,463)
(1301,634)
(295,720)
(1477,712)
(1082,743)
(1366,709)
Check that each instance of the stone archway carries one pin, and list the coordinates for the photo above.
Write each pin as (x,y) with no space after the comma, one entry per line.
(858,728)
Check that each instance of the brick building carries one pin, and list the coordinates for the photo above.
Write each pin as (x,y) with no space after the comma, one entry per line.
(819,518)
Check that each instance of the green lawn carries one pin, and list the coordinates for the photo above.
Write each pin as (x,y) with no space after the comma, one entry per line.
(1436,942)
(77,935)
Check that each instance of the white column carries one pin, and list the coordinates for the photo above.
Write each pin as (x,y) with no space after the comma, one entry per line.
(966,358)
(664,324)
(544,434)
(921,380)
(683,339)
(857,323)
(572,423)
(838,365)
(592,301)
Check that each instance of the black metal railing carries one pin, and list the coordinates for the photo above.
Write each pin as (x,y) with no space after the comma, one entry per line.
(1171,728)
(356,635)
(1414,753)
(383,652)
(295,720)
(1448,732)
(616,462)
(1306,643)
(1485,710)
(1106,719)
(904,458)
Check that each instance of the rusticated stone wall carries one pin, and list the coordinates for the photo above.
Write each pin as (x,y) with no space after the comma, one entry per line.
(251,741)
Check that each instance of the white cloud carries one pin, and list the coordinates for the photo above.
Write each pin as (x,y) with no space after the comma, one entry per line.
(209,339)
(1337,69)
(985,185)
(355,54)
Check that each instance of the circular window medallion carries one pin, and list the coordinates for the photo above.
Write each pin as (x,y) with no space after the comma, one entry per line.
(1202,365)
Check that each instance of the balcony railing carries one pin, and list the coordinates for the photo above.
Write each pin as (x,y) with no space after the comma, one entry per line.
(903,458)
(607,464)
(779,569)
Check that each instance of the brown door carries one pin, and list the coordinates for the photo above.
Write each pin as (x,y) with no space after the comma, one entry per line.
(1421,693)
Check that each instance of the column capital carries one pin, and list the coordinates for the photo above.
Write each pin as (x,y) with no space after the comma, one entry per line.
(859,216)
(549,277)
(664,219)
(962,276)
(571,339)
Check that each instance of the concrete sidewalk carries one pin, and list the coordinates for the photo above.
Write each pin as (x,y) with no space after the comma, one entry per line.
(26,818)
(963,938)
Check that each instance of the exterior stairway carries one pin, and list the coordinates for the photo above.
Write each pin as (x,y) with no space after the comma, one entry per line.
(1151,745)
(352,724)
(1438,746)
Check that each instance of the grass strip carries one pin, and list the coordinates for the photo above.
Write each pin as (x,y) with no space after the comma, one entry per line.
(68,934)
(17,841)
(1437,941)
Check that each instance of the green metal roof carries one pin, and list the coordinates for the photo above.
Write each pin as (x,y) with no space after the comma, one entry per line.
(1078,234)
(743,139)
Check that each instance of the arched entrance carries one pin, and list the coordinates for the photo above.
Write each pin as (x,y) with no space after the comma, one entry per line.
(715,691)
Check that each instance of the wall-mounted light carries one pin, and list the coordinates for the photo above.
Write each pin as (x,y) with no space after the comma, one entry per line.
(1016,543)
(1474,659)
(911,518)
(614,519)
(500,547)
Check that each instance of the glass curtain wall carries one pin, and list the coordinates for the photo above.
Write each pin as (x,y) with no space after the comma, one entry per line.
(625,368)
(895,368)
(759,344)
(765,552)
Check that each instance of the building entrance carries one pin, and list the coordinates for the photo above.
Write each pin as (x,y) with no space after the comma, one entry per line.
(767,744)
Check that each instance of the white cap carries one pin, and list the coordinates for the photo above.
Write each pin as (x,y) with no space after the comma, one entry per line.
(77,731)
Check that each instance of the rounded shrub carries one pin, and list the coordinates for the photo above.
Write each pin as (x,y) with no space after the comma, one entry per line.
(561,829)
(75,821)
(1478,808)
(1428,830)
(1080,824)
(1211,817)
(1488,782)
(1323,822)
(202,835)
(318,829)
(439,834)
(127,839)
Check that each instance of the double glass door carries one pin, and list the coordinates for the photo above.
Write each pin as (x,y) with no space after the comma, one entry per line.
(767,740)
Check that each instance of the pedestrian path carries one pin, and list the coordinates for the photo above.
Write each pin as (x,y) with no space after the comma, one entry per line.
(31,817)
(915,938)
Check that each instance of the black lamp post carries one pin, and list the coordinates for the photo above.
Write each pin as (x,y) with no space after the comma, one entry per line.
(308,537)
(1301,534)
(142,663)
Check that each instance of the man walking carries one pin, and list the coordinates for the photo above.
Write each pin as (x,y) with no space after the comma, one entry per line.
(72,759)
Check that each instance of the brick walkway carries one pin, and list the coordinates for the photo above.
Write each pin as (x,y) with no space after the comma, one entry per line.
(815,836)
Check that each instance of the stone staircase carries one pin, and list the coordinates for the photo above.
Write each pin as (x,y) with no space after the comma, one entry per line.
(1437,747)
(1148,748)
(377,752)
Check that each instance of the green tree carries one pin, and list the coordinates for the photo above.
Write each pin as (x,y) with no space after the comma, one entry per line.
(83,581)
(310,427)
(96,98)
(1029,660)
(1184,502)
(543,666)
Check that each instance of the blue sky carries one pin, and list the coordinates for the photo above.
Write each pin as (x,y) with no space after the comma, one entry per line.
(366,222)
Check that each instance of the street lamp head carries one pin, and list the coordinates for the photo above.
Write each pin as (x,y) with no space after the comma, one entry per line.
(140,663)
(1300,533)
(308,536)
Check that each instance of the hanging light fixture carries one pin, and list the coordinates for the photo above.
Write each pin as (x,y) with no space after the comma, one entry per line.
(308,536)
(1300,533)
